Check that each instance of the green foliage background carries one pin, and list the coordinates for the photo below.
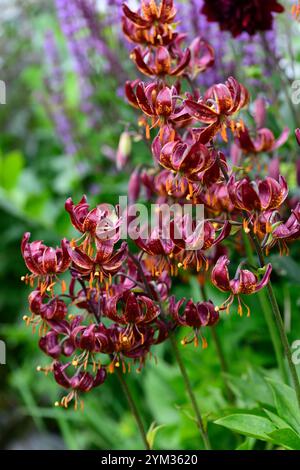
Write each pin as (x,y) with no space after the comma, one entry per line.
(35,179)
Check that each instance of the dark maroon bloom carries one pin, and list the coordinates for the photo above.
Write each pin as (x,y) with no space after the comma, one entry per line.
(131,309)
(102,222)
(53,309)
(152,24)
(157,103)
(79,382)
(195,315)
(104,262)
(265,195)
(159,62)
(189,160)
(263,142)
(42,260)
(238,16)
(244,282)
(286,231)
(220,102)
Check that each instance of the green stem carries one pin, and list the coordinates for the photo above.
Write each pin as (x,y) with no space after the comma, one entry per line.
(269,318)
(190,392)
(133,408)
(278,319)
(178,358)
(220,352)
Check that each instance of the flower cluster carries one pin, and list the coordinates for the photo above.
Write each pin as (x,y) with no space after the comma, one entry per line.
(101,306)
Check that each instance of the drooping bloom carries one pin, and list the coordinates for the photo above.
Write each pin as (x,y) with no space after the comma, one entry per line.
(237,16)
(244,282)
(159,62)
(220,103)
(260,196)
(152,24)
(80,382)
(42,260)
(285,232)
(194,315)
(263,142)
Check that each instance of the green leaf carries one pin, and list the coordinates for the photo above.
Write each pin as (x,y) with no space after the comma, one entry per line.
(286,403)
(11,166)
(286,437)
(248,425)
(151,434)
(248,444)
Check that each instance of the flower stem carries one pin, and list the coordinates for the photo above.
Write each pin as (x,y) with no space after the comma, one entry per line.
(133,408)
(273,304)
(220,352)
(178,358)
(270,320)
(190,392)
(278,319)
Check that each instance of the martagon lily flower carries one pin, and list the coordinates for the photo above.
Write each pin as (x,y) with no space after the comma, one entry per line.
(195,315)
(244,282)
(257,197)
(159,63)
(152,24)
(263,142)
(79,382)
(44,262)
(220,103)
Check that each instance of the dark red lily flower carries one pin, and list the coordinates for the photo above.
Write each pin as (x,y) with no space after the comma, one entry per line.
(238,16)
(220,103)
(104,262)
(191,241)
(159,63)
(263,142)
(265,195)
(195,315)
(159,104)
(102,222)
(202,54)
(79,382)
(189,160)
(53,309)
(152,24)
(286,231)
(42,260)
(244,282)
(135,309)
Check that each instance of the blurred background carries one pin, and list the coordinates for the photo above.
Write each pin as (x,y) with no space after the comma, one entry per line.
(64,64)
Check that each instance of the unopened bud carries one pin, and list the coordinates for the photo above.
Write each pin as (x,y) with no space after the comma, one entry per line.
(124,150)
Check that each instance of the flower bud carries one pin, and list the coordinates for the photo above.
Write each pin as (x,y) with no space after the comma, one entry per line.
(124,150)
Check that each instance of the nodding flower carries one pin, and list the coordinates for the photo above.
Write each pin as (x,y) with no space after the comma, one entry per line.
(244,282)
(152,24)
(264,141)
(257,197)
(220,103)
(43,261)
(284,232)
(159,63)
(159,103)
(101,222)
(194,315)
(80,382)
